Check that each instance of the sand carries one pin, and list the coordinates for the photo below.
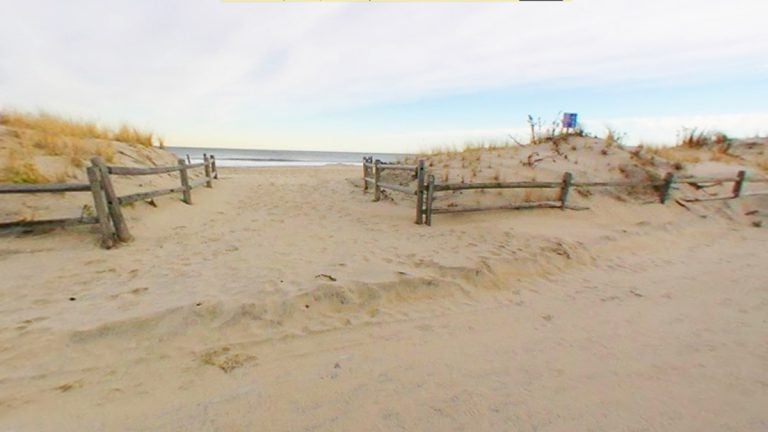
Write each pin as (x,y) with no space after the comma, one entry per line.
(285,300)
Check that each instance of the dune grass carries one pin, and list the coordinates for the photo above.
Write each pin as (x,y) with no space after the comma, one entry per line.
(54,126)
(21,169)
(469,147)
(613,138)
(45,134)
(700,139)
(676,154)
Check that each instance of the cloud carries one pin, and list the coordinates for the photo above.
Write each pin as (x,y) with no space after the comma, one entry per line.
(665,129)
(216,68)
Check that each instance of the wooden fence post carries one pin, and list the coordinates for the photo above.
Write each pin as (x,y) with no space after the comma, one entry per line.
(365,174)
(100,205)
(430,198)
(420,173)
(186,192)
(113,203)
(565,189)
(213,168)
(207,167)
(376,178)
(739,184)
(666,188)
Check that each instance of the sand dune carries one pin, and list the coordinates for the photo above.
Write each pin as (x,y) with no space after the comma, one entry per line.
(67,165)
(285,299)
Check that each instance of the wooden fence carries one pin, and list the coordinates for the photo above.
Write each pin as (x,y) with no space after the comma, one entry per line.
(426,188)
(372,174)
(106,203)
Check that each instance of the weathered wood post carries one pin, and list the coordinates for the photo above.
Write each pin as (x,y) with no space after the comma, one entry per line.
(420,177)
(186,192)
(213,168)
(376,179)
(100,205)
(113,203)
(365,174)
(565,189)
(430,198)
(207,167)
(666,188)
(739,184)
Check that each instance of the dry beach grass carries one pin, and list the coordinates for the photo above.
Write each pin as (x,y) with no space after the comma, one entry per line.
(44,148)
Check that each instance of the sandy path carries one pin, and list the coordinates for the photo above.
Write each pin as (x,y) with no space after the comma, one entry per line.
(625,318)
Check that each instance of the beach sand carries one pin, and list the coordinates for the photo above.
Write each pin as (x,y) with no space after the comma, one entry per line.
(284,299)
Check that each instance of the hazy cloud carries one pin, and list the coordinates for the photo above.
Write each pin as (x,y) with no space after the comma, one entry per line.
(208,67)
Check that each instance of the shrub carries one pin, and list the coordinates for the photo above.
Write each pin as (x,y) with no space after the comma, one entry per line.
(614,138)
(690,139)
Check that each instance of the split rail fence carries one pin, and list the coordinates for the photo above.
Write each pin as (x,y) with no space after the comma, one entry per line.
(426,188)
(106,202)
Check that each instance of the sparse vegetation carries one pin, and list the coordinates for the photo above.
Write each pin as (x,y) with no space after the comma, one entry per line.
(676,154)
(614,138)
(540,134)
(21,169)
(469,148)
(693,139)
(700,139)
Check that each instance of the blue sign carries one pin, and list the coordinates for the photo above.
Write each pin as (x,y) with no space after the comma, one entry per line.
(570,120)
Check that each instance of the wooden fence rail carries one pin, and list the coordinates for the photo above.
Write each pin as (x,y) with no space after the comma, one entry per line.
(505,185)
(44,188)
(132,171)
(93,186)
(51,223)
(107,204)
(143,196)
(372,174)
(426,188)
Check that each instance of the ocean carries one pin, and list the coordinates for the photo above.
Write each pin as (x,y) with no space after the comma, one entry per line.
(271,158)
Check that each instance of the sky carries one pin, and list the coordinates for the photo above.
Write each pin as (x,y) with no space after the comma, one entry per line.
(388,77)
